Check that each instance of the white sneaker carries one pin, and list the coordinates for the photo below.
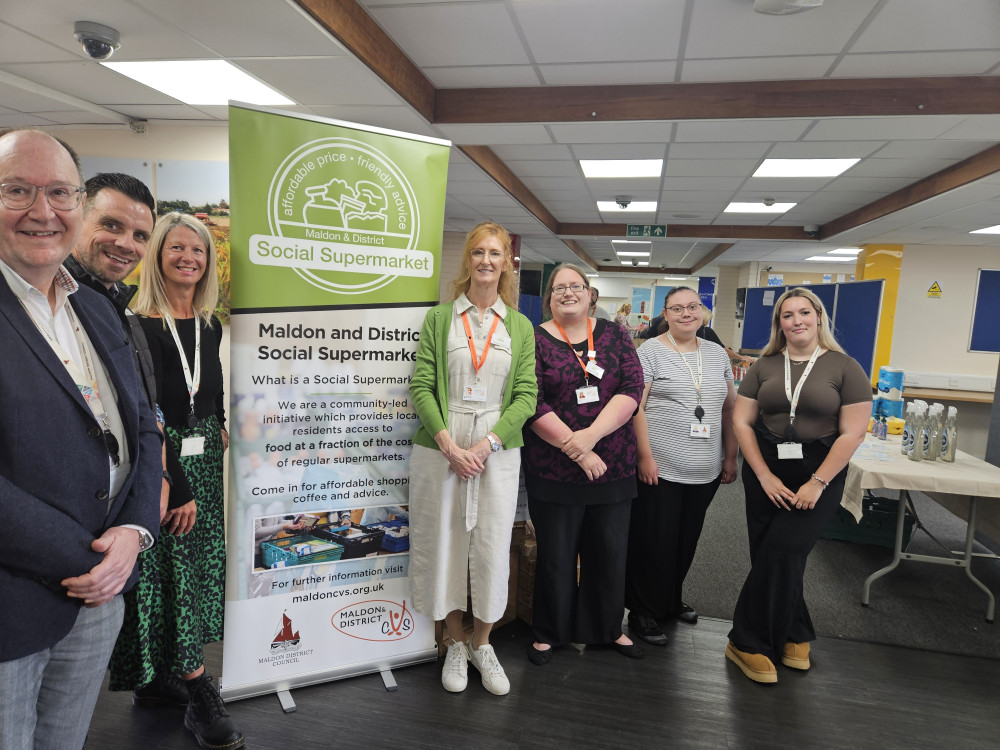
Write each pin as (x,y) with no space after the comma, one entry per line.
(454,676)
(485,660)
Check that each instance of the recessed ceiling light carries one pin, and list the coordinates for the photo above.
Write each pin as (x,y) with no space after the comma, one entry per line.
(987,230)
(804,167)
(675,278)
(631,242)
(757,208)
(846,251)
(612,207)
(635,263)
(200,82)
(621,167)
(630,254)
(831,259)
(592,276)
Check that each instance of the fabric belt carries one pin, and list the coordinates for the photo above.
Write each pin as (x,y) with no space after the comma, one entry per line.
(471,510)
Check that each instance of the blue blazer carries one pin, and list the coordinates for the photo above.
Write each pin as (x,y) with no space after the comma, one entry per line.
(54,481)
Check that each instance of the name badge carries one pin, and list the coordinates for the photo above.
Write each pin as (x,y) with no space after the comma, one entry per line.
(789,450)
(702,431)
(595,369)
(474,393)
(192,446)
(587,395)
(500,340)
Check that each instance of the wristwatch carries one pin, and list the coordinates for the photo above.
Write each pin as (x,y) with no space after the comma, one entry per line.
(494,443)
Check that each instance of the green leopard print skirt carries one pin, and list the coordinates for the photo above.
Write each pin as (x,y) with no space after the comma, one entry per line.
(177,605)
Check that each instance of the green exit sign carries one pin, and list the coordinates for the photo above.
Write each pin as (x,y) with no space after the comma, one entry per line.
(646,230)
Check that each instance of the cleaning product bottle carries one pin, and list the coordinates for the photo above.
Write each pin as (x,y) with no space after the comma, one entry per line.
(949,436)
(932,434)
(906,445)
(917,451)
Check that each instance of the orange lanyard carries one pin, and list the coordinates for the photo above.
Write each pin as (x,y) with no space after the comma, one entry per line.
(591,354)
(472,344)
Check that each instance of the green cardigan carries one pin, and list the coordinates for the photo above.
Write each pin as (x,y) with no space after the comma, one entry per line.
(429,384)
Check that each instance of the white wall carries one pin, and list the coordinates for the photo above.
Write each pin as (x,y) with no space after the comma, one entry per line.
(932,334)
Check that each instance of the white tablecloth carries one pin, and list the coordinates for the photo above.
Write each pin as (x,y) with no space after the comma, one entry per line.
(878,463)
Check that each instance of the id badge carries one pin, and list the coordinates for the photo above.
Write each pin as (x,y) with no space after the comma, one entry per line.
(702,431)
(192,446)
(587,395)
(595,369)
(789,450)
(500,340)
(474,393)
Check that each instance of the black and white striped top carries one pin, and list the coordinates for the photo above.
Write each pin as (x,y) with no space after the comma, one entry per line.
(670,410)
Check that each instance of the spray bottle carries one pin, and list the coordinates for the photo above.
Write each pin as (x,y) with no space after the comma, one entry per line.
(949,436)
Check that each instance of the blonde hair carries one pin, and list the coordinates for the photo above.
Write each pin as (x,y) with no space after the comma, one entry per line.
(152,297)
(825,335)
(547,294)
(626,305)
(706,314)
(508,288)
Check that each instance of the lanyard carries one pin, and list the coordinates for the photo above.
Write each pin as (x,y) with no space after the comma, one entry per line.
(591,353)
(793,398)
(472,344)
(699,412)
(193,381)
(86,381)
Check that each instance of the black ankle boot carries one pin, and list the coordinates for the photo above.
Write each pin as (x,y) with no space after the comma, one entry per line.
(207,717)
(169,691)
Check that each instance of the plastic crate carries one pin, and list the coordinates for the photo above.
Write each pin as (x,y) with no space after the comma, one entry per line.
(279,553)
(392,543)
(877,525)
(367,543)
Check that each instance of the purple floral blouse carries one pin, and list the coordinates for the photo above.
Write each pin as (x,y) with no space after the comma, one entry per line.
(546,468)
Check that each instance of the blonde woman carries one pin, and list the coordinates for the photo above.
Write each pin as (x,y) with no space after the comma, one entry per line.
(177,607)
(801,412)
(622,317)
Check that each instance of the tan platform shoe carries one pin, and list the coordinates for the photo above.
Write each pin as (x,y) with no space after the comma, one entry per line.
(755,666)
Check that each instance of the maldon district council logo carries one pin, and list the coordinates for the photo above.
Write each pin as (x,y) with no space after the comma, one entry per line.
(347,216)
(286,639)
(374,620)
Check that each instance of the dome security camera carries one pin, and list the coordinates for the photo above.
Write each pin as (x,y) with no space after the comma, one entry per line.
(623,201)
(635,262)
(99,42)
(811,230)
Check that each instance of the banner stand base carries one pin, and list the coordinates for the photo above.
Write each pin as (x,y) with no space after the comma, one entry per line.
(287,703)
(388,680)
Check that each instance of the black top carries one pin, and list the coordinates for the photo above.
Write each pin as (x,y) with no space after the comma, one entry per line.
(172,395)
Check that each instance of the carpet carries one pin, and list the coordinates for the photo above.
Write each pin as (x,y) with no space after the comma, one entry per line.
(918,605)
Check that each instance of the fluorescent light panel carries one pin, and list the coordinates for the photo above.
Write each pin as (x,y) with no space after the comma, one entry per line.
(804,167)
(987,230)
(621,167)
(631,242)
(758,208)
(612,207)
(831,259)
(622,254)
(640,263)
(200,82)
(675,278)
(846,251)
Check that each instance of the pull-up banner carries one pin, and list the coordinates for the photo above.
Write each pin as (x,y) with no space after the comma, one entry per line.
(335,245)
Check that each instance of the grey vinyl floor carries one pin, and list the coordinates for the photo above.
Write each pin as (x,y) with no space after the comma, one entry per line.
(684,695)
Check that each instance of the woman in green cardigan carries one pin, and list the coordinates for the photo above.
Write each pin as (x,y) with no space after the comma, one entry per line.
(473,388)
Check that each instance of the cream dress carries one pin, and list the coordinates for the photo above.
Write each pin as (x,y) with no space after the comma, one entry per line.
(460,529)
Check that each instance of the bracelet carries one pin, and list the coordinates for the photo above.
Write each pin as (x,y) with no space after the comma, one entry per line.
(823,482)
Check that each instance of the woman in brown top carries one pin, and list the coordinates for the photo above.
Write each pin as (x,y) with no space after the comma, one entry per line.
(801,412)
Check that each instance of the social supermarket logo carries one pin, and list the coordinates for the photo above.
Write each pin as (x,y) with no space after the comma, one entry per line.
(374,620)
(344,217)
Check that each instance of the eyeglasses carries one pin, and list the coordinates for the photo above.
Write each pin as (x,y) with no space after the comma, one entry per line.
(678,309)
(561,289)
(61,196)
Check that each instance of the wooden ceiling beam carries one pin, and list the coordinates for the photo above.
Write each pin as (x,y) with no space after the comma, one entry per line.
(958,175)
(357,31)
(825,97)
(711,255)
(580,253)
(691,231)
(486,159)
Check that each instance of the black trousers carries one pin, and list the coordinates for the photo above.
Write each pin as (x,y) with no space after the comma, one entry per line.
(663,536)
(564,611)
(770,610)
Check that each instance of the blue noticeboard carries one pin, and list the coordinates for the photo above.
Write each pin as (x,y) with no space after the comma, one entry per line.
(853,306)
(986,315)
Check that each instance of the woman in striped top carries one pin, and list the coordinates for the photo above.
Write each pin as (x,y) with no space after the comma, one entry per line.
(686,448)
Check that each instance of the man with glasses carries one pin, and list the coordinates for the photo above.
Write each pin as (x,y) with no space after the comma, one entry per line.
(79,457)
